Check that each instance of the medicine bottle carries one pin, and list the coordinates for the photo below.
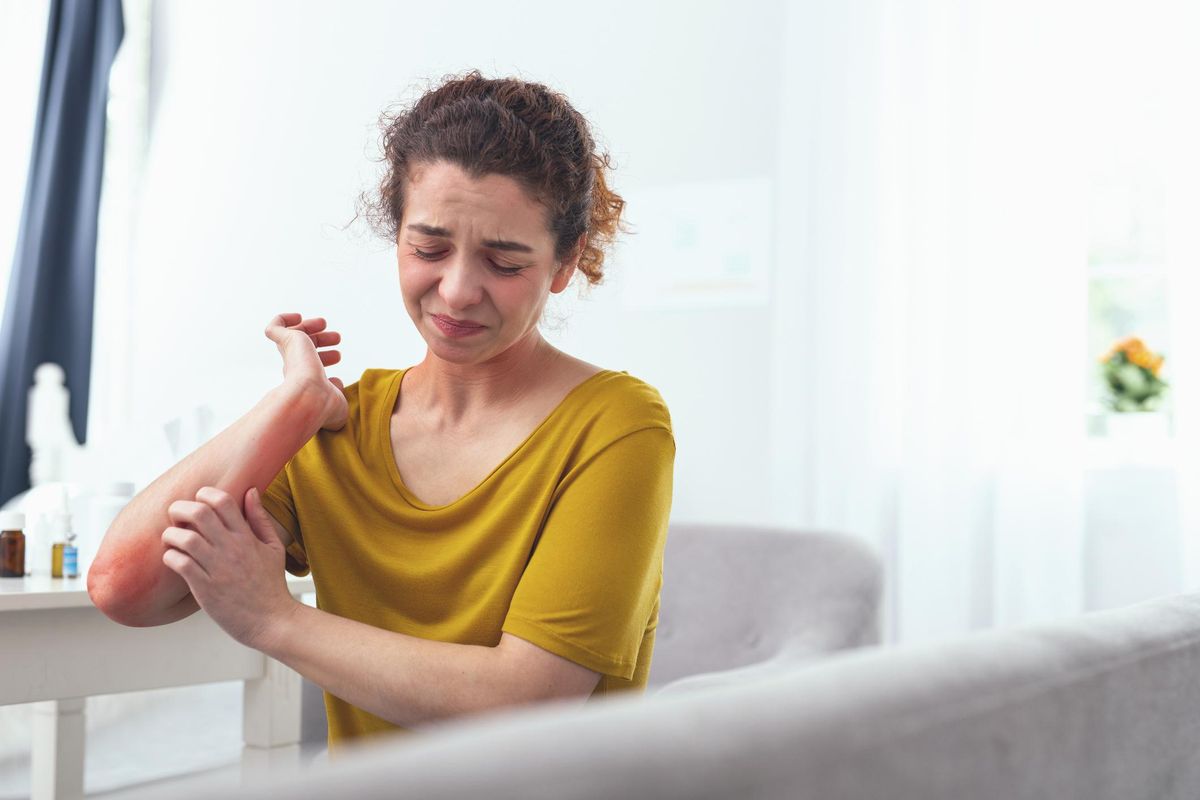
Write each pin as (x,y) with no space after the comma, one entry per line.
(12,544)
(64,556)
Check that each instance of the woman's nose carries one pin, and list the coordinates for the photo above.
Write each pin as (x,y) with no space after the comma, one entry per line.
(459,286)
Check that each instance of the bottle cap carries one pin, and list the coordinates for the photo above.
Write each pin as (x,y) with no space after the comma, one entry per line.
(58,522)
(12,521)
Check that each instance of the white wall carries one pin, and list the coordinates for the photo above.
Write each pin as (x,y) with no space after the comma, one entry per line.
(263,124)
(896,140)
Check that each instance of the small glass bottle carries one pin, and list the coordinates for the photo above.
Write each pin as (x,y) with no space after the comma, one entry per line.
(70,566)
(56,559)
(12,544)
(64,559)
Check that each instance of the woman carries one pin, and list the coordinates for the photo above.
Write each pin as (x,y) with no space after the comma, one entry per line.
(485,528)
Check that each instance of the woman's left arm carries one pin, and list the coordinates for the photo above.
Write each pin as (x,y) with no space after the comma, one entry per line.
(408,680)
(234,564)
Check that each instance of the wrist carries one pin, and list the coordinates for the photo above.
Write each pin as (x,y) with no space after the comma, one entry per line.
(303,402)
(279,629)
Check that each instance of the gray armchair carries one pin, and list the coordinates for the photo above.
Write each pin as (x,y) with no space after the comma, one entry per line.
(740,601)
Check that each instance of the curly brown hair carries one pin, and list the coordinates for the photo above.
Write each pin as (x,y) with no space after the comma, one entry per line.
(511,127)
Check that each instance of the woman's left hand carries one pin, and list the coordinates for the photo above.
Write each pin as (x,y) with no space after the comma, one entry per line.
(233,562)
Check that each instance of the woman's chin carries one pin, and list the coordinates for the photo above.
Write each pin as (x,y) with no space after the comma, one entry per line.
(457,351)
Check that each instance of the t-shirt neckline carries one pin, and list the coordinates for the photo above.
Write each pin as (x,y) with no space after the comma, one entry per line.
(384,439)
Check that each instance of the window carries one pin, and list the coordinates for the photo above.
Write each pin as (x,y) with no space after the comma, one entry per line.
(1127,272)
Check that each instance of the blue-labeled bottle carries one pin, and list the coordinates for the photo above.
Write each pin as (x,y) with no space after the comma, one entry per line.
(70,558)
(64,561)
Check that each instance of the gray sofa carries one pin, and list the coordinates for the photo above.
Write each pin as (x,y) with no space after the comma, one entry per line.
(1100,706)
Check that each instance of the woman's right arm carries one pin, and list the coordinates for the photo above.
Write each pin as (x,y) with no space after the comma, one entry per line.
(128,580)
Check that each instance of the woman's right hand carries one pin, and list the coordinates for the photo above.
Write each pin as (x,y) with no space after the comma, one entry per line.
(304,363)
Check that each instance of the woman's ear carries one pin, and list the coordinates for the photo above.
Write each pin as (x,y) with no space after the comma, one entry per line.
(567,268)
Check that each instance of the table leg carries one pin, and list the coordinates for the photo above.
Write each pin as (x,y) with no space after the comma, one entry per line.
(271,720)
(259,762)
(58,745)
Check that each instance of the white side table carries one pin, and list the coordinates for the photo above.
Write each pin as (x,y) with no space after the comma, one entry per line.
(59,649)
(1134,546)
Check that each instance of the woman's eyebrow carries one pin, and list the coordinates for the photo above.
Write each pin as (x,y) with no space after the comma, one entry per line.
(495,244)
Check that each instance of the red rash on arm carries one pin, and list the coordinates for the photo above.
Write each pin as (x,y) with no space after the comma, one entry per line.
(138,579)
(128,580)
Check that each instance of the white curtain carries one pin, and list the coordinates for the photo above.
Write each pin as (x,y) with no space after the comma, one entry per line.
(1181,120)
(22,46)
(929,313)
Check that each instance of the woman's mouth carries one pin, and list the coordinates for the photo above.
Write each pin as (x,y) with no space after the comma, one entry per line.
(456,328)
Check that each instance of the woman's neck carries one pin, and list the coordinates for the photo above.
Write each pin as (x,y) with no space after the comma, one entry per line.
(453,394)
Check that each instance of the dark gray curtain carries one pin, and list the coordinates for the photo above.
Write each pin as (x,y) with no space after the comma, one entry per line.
(48,311)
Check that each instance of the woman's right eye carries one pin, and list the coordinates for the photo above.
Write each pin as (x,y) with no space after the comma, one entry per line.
(424,255)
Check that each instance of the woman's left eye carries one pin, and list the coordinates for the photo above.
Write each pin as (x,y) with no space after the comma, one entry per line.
(429,256)
(505,270)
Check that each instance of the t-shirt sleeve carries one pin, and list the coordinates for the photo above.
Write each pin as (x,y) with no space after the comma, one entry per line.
(278,501)
(595,574)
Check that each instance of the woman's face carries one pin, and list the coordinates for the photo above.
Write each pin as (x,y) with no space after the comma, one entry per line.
(477,252)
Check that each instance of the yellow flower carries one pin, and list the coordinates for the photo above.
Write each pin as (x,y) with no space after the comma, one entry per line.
(1123,346)
(1142,358)
(1136,353)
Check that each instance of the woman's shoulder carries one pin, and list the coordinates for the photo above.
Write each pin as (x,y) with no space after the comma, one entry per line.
(364,395)
(373,381)
(622,402)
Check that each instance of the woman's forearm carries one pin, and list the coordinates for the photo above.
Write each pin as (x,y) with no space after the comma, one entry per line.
(128,580)
(406,680)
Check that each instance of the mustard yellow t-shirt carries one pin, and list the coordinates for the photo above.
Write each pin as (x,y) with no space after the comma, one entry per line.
(560,545)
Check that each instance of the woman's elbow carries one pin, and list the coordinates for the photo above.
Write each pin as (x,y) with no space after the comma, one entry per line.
(102,589)
(128,601)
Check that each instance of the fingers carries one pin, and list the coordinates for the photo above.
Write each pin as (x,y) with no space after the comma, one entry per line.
(187,542)
(213,513)
(278,324)
(196,516)
(228,510)
(292,321)
(326,339)
(261,522)
(314,327)
(187,568)
(311,325)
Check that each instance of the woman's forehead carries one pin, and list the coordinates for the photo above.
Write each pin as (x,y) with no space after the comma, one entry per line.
(444,197)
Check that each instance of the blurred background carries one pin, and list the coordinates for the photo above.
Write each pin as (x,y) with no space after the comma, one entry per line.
(886,263)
